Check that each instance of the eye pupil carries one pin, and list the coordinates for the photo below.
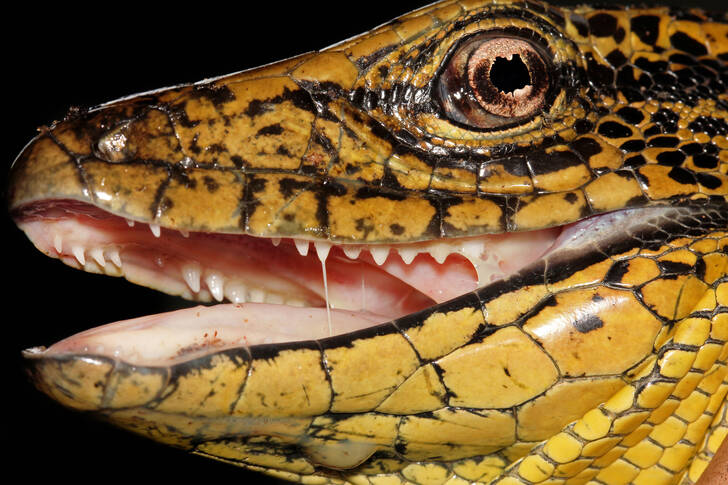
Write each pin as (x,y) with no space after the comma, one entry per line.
(509,75)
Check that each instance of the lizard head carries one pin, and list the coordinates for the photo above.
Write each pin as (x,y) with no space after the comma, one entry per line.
(421,239)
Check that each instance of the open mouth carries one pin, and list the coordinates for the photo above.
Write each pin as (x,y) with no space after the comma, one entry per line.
(269,290)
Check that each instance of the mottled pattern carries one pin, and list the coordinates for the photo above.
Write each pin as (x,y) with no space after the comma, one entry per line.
(339,145)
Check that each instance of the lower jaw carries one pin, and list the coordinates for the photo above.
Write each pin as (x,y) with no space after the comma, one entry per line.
(182,335)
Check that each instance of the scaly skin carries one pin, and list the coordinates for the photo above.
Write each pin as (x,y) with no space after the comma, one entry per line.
(338,145)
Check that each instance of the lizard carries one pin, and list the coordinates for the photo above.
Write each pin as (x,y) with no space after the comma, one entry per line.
(415,119)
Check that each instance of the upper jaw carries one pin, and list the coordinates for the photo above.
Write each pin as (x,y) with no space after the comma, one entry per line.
(285,151)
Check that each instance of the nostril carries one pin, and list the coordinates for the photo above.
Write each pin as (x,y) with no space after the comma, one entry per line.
(114,146)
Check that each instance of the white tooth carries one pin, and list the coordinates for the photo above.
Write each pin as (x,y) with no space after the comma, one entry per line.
(235,292)
(58,243)
(191,274)
(111,269)
(130,223)
(184,233)
(113,255)
(257,295)
(440,252)
(215,282)
(322,249)
(155,229)
(408,254)
(379,253)
(302,246)
(473,249)
(79,254)
(475,252)
(98,255)
(276,241)
(352,252)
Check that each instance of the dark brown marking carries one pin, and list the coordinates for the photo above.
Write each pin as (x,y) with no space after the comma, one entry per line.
(210,183)
(542,163)
(587,323)
(685,43)
(602,25)
(612,129)
(631,115)
(709,181)
(682,176)
(646,27)
(274,129)
(672,159)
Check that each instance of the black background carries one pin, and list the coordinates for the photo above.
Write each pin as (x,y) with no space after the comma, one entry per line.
(62,56)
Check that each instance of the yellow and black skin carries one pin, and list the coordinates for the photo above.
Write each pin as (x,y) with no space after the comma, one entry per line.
(338,144)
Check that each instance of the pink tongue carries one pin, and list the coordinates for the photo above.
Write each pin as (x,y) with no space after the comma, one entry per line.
(182,335)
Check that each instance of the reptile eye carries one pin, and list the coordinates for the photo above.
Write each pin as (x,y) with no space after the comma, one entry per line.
(491,82)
